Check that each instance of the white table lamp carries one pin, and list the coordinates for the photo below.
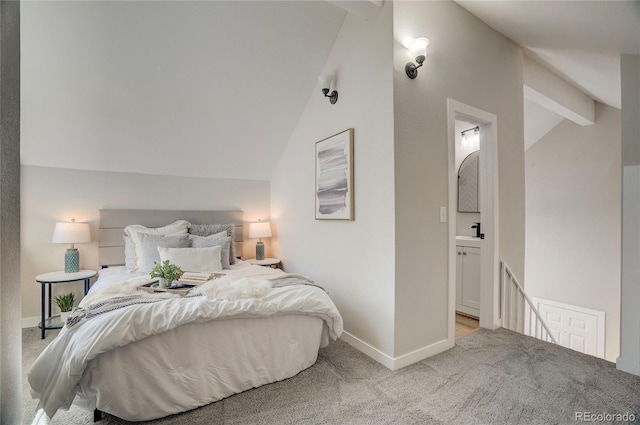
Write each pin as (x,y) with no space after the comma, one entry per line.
(261,229)
(72,233)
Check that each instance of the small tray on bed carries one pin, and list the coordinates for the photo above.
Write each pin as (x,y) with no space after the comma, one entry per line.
(180,288)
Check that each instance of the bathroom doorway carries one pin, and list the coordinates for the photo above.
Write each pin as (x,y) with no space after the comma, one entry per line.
(468,218)
(481,252)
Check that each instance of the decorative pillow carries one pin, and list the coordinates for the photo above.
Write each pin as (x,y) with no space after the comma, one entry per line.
(147,248)
(179,226)
(129,253)
(219,235)
(211,229)
(207,241)
(193,259)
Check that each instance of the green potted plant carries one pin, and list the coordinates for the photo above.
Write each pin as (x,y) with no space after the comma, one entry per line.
(166,273)
(65,303)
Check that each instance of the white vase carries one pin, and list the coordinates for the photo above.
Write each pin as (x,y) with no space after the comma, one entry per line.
(63,316)
(163,283)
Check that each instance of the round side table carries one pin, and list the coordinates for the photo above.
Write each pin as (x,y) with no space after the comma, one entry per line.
(48,279)
(274,263)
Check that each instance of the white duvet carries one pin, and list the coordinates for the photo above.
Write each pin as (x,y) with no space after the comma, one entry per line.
(244,292)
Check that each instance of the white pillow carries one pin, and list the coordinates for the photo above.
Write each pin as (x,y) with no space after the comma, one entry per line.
(207,241)
(193,259)
(179,227)
(218,235)
(149,248)
(129,254)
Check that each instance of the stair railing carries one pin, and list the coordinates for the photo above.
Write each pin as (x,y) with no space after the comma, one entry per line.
(516,306)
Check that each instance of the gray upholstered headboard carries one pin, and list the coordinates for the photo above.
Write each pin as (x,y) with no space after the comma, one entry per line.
(113,222)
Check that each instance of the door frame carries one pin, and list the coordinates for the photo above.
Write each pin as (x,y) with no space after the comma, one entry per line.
(489,210)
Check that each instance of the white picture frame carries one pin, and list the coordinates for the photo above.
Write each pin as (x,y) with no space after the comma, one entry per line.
(334,177)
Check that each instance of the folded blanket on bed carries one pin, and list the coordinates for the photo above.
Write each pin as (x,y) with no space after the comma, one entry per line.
(230,288)
(294,279)
(111,304)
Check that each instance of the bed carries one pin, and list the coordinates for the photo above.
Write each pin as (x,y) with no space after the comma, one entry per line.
(142,356)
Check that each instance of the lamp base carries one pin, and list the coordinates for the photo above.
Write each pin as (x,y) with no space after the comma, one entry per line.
(260,251)
(72,261)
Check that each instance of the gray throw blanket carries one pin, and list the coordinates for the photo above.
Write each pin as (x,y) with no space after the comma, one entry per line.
(106,306)
(294,280)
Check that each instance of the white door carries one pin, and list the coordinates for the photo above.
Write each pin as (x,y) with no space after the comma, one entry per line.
(459,250)
(574,327)
(471,278)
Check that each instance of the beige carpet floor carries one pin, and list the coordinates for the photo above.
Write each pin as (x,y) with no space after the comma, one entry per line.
(489,377)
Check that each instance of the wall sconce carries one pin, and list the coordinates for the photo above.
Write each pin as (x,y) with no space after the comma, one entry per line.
(325,85)
(419,49)
(470,141)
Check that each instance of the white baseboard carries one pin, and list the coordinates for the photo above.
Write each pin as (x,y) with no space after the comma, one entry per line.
(400,361)
(30,322)
(367,349)
(422,353)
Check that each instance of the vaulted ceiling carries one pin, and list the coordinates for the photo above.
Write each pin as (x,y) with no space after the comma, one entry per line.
(216,88)
(581,41)
(201,89)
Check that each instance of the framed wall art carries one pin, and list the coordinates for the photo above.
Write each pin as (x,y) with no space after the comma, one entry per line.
(334,177)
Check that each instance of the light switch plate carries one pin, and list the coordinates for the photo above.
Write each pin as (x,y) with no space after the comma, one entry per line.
(443,214)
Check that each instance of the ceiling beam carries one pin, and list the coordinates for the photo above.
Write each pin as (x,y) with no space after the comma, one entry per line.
(549,90)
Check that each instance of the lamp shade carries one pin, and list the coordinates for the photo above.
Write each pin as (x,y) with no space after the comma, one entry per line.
(419,46)
(325,81)
(261,229)
(71,233)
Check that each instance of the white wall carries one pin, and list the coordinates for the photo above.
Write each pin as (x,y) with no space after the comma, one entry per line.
(573,197)
(401,172)
(354,260)
(55,194)
(387,270)
(471,63)
(538,121)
